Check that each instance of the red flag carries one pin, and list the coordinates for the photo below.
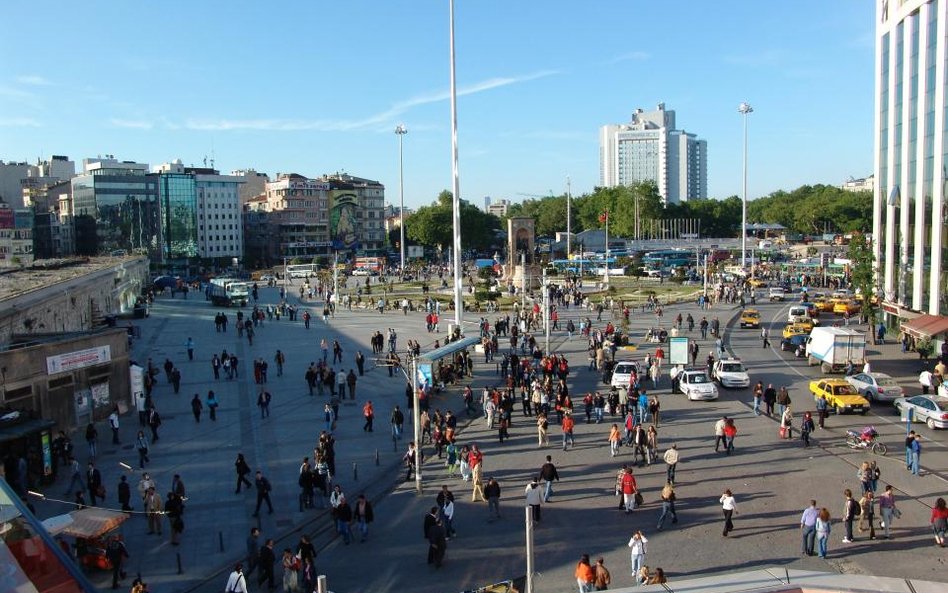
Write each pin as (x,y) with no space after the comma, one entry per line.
(604,216)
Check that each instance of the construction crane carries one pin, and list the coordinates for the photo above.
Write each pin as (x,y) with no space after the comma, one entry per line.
(549,195)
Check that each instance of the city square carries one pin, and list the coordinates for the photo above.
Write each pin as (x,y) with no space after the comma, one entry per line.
(316,325)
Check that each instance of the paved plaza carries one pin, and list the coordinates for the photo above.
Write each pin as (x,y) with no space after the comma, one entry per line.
(772,480)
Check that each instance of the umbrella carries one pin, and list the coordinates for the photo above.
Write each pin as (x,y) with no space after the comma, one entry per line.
(92,523)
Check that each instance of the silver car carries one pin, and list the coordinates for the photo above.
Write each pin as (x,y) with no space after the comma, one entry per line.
(622,374)
(930,409)
(876,387)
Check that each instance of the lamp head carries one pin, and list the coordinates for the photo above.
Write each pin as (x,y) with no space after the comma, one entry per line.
(745,108)
(400,129)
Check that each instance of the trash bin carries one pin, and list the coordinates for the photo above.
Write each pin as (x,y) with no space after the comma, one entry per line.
(111,320)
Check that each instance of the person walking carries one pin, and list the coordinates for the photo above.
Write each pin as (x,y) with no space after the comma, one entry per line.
(542,426)
(601,577)
(351,380)
(567,426)
(236,582)
(823,530)
(141,443)
(806,427)
(492,492)
(850,510)
(253,550)
(437,544)
(615,439)
(116,553)
(94,483)
(155,509)
(263,493)
(398,421)
(242,470)
(267,560)
(729,506)
(369,414)
(758,396)
(197,407)
(114,425)
(808,528)
(549,474)
(822,408)
(671,458)
(629,490)
(887,509)
(783,400)
(342,513)
(916,454)
(263,401)
(719,433)
(584,575)
(939,522)
(279,359)
(668,505)
(190,346)
(212,404)
(770,398)
(534,498)
(639,548)
(786,423)
(291,566)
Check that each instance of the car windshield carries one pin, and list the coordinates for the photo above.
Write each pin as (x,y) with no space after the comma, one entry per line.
(942,404)
(698,378)
(887,382)
(844,390)
(734,367)
(624,369)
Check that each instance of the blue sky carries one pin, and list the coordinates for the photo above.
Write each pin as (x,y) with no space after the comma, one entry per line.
(315,87)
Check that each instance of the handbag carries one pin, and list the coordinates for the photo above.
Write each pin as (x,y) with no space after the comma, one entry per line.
(639,500)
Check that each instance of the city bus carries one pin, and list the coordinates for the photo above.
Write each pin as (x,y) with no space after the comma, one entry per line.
(367,266)
(669,258)
(301,270)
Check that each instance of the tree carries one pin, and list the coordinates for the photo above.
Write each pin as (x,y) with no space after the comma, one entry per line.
(862,271)
(432,225)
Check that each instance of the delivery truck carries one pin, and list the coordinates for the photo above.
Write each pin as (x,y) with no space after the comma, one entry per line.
(227,292)
(835,347)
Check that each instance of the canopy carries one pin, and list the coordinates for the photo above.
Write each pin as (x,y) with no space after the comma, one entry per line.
(91,523)
(926,326)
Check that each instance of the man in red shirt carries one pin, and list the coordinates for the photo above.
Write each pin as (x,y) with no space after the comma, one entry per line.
(568,429)
(628,490)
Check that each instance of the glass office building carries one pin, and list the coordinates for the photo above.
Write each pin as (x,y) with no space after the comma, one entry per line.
(116,210)
(178,198)
(911,155)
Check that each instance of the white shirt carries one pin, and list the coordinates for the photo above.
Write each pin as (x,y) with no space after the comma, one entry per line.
(639,545)
(448,509)
(335,498)
(533,495)
(729,503)
(236,583)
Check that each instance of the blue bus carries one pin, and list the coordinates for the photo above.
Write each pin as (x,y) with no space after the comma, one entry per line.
(668,258)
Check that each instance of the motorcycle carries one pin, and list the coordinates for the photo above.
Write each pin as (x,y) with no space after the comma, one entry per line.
(867,439)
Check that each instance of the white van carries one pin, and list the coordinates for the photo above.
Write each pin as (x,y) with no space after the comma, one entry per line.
(798,314)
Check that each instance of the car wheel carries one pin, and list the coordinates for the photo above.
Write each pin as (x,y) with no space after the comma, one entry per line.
(870,397)
(930,423)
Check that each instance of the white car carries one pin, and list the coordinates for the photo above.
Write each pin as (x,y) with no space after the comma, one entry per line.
(697,386)
(730,372)
(778,294)
(361,272)
(622,374)
(930,409)
(876,387)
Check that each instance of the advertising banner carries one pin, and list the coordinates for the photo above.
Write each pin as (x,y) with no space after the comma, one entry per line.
(71,361)
(46,441)
(137,383)
(100,394)
(343,224)
(424,374)
(678,351)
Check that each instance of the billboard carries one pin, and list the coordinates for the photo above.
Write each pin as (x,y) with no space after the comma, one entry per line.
(71,361)
(343,224)
(678,351)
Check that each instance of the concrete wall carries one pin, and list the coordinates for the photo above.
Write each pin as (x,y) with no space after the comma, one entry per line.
(68,306)
(26,385)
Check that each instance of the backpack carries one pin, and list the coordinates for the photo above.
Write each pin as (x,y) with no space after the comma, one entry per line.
(857,508)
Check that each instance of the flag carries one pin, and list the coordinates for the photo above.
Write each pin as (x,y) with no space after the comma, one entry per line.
(604,216)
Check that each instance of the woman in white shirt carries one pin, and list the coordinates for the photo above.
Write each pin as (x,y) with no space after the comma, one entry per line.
(639,546)
(730,507)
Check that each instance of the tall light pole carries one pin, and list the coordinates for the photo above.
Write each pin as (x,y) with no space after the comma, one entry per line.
(458,301)
(401,130)
(744,109)
(569,228)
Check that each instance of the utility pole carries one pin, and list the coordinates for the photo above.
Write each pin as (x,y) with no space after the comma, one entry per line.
(606,214)
(416,418)
(458,279)
(530,563)
(335,274)
(569,227)
(401,130)
(523,282)
(546,312)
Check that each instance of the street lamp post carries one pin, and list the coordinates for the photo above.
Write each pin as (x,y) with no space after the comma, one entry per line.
(744,109)
(458,300)
(401,130)
(569,227)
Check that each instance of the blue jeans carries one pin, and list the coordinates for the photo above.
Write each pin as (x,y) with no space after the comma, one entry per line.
(667,507)
(914,463)
(343,528)
(809,534)
(397,430)
(363,529)
(756,406)
(670,475)
(637,560)
(908,458)
(76,481)
(821,545)
(549,491)
(568,437)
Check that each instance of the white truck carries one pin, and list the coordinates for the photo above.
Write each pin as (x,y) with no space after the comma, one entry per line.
(228,292)
(834,347)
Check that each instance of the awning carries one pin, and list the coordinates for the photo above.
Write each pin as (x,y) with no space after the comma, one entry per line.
(22,429)
(92,523)
(926,326)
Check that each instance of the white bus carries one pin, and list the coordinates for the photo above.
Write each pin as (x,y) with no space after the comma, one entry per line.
(301,270)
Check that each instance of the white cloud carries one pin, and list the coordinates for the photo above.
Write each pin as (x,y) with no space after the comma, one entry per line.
(372,121)
(23,122)
(14,93)
(134,124)
(633,55)
(33,79)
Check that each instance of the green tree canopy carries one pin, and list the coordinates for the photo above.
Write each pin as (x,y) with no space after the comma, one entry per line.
(432,225)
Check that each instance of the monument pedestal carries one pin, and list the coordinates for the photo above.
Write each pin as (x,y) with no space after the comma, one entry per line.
(515,275)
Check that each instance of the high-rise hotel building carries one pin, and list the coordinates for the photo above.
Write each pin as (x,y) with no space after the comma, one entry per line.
(911,155)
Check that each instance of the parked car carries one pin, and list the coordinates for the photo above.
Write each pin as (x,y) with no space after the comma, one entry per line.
(840,395)
(730,372)
(696,386)
(876,386)
(930,409)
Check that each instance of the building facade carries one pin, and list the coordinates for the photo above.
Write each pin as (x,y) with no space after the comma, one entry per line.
(16,237)
(499,208)
(254,184)
(861,184)
(911,155)
(116,209)
(650,148)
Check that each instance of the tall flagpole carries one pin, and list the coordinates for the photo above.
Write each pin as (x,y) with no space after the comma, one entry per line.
(569,228)
(458,300)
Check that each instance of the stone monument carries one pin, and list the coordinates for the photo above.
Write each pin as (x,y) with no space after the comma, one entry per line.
(521,244)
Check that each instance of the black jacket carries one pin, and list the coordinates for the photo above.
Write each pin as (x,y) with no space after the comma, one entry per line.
(548,472)
(267,557)
(368,514)
(429,521)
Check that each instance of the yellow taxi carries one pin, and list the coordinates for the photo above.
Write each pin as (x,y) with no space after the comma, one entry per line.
(824,304)
(844,306)
(757,283)
(796,329)
(807,324)
(750,318)
(840,396)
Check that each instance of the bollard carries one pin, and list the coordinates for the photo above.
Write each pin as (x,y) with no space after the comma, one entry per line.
(355,472)
(321,586)
(376,456)
(220,538)
(178,555)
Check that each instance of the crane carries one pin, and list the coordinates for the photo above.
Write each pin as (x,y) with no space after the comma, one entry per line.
(549,195)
